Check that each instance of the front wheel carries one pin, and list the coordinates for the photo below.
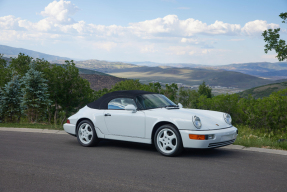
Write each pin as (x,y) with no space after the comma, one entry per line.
(86,134)
(168,141)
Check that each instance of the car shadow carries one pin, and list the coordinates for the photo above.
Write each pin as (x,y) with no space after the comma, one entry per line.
(127,145)
(205,153)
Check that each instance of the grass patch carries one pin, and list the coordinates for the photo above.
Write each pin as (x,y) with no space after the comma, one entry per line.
(32,125)
(259,138)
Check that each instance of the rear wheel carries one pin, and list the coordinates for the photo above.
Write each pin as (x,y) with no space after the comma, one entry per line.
(86,134)
(168,141)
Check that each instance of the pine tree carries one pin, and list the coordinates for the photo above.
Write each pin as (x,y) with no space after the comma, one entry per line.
(35,94)
(10,100)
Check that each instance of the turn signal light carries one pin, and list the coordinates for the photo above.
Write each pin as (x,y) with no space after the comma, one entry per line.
(68,121)
(197,137)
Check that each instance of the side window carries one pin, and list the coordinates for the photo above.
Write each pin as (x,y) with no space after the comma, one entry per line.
(120,103)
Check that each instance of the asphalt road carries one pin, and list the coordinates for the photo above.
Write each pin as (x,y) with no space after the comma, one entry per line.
(52,162)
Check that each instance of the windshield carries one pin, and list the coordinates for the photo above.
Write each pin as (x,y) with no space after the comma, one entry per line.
(151,101)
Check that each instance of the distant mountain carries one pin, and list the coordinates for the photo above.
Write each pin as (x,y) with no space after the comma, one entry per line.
(190,76)
(281,80)
(98,65)
(179,65)
(168,74)
(260,69)
(13,52)
(263,91)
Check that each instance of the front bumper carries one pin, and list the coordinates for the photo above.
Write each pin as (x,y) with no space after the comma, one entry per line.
(222,137)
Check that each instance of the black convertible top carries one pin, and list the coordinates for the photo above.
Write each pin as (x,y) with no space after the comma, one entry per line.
(102,102)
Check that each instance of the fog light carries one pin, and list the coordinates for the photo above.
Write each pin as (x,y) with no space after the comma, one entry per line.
(210,136)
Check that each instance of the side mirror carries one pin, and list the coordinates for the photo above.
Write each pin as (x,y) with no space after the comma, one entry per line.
(180,105)
(131,108)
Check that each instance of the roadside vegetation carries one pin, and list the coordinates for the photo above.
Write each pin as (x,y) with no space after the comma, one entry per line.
(260,138)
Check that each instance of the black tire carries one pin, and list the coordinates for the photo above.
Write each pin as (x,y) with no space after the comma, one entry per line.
(89,140)
(163,142)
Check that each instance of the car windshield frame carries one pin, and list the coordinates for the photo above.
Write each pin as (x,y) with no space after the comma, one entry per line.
(153,101)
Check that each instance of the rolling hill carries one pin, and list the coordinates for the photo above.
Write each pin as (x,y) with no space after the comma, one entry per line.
(191,76)
(99,80)
(99,65)
(13,52)
(260,69)
(264,91)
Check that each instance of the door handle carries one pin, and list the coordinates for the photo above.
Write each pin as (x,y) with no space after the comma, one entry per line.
(107,114)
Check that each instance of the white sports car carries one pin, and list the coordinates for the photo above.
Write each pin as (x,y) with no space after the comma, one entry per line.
(146,117)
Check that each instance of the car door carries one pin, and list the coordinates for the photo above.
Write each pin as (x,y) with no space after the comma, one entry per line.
(123,122)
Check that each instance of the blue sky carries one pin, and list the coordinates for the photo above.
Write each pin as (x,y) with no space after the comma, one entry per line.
(200,32)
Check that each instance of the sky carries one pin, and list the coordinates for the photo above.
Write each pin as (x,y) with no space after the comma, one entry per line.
(205,32)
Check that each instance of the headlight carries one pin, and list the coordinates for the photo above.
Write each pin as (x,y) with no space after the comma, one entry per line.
(227,118)
(196,122)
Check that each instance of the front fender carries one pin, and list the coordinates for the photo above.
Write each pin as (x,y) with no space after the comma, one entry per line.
(152,120)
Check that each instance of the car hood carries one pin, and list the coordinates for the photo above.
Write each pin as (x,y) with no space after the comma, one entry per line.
(210,119)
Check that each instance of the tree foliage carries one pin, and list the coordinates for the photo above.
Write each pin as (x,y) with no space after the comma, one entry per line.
(35,94)
(68,91)
(205,90)
(10,100)
(272,38)
(21,63)
(5,74)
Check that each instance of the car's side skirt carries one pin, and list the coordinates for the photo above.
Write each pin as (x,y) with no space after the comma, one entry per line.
(125,138)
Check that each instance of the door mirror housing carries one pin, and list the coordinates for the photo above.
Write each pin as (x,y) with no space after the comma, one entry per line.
(131,108)
(180,105)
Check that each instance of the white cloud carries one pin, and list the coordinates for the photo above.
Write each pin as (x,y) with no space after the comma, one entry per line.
(171,25)
(257,27)
(105,45)
(189,40)
(191,52)
(148,49)
(9,22)
(60,11)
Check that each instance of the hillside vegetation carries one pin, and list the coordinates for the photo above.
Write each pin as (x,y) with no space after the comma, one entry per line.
(98,82)
(263,91)
(191,76)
